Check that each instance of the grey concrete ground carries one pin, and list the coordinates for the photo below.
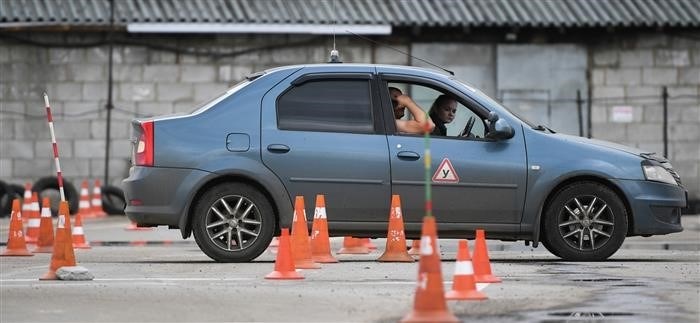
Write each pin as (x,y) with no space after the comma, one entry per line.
(654,279)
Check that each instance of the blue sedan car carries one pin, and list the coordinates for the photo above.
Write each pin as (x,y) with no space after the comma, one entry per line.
(229,171)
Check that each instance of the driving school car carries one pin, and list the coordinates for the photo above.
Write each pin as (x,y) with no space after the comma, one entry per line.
(229,171)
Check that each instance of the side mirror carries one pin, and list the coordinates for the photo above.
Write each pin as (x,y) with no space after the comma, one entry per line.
(499,129)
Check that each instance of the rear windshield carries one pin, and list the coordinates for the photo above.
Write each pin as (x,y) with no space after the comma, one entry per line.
(210,103)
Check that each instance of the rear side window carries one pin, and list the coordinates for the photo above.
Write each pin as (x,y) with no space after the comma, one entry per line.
(327,105)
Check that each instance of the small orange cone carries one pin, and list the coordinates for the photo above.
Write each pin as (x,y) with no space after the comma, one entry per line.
(133,227)
(301,247)
(463,283)
(16,246)
(34,220)
(97,210)
(320,241)
(284,264)
(482,264)
(368,243)
(395,239)
(353,246)
(84,208)
(27,201)
(79,234)
(429,303)
(63,254)
(45,242)
(415,248)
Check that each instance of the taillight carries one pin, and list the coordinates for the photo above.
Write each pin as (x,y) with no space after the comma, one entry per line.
(143,152)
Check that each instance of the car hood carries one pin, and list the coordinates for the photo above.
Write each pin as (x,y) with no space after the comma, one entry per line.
(608,144)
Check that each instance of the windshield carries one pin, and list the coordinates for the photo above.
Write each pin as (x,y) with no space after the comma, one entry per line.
(210,103)
(489,101)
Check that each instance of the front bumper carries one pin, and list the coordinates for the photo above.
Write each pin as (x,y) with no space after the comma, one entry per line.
(159,195)
(656,207)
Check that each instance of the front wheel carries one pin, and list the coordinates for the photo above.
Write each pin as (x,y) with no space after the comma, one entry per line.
(585,221)
(233,222)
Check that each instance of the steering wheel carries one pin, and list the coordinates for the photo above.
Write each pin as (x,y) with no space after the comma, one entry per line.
(468,127)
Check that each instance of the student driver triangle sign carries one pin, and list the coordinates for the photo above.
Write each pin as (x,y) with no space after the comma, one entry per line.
(445,173)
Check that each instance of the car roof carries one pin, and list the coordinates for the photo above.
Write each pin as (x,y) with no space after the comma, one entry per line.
(340,67)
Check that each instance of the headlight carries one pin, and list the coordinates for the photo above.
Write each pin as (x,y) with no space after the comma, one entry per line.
(658,174)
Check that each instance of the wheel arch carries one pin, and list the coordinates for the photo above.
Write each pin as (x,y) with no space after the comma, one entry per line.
(186,219)
(582,178)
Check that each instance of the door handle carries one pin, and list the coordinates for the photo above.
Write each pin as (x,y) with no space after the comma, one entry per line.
(410,155)
(278,148)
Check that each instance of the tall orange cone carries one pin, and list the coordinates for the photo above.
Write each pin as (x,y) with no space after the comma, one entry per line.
(97,210)
(415,248)
(63,254)
(34,220)
(45,242)
(16,246)
(482,264)
(84,208)
(320,241)
(27,201)
(301,247)
(79,234)
(395,239)
(284,264)
(429,303)
(353,246)
(463,283)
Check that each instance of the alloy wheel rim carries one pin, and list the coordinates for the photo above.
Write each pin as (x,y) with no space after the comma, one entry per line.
(586,222)
(233,223)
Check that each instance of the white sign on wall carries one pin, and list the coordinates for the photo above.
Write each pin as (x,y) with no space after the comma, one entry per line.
(622,114)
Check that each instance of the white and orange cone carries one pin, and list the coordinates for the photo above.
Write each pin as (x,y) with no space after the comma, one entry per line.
(463,282)
(26,201)
(16,246)
(79,234)
(320,241)
(34,220)
(84,208)
(97,210)
(45,242)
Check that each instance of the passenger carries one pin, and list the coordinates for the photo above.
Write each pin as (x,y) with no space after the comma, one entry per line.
(400,102)
(442,112)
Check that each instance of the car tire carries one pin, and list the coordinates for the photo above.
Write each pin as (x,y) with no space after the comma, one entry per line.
(113,201)
(253,222)
(7,194)
(575,231)
(48,187)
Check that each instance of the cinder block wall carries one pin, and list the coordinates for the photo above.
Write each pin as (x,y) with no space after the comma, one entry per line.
(150,81)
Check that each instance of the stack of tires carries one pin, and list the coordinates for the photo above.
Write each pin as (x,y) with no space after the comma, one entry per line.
(113,201)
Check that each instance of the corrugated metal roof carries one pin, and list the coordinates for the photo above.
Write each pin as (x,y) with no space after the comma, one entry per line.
(397,13)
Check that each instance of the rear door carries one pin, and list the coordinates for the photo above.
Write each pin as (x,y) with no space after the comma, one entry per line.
(322,134)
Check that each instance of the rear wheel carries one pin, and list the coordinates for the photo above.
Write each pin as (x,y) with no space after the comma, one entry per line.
(585,221)
(233,222)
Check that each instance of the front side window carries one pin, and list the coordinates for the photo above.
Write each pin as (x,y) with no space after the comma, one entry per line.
(327,105)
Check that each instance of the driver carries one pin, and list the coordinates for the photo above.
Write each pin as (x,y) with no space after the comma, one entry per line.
(442,112)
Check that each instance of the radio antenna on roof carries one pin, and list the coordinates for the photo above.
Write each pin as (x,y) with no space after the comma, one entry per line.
(335,55)
(402,52)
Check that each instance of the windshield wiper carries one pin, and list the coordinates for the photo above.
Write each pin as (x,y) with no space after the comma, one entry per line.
(540,127)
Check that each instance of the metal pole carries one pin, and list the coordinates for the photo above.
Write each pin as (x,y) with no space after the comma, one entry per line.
(109,106)
(664,96)
(589,104)
(579,106)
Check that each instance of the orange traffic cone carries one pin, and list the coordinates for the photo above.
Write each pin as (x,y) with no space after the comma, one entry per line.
(415,248)
(284,264)
(301,248)
(45,242)
(27,201)
(395,239)
(482,264)
(79,234)
(84,208)
(353,246)
(463,283)
(16,246)
(63,254)
(133,227)
(429,303)
(97,210)
(320,242)
(34,220)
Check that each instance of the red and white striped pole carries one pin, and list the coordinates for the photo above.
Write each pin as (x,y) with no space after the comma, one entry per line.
(55,148)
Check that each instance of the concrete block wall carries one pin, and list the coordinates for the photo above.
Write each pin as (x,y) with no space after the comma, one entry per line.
(631,72)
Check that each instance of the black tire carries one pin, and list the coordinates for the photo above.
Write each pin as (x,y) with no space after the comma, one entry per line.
(48,187)
(113,201)
(8,192)
(574,231)
(222,248)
